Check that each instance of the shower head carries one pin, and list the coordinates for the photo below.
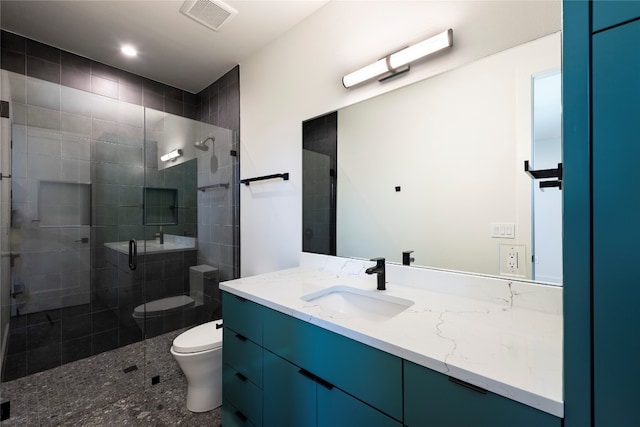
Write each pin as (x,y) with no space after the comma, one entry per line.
(202,144)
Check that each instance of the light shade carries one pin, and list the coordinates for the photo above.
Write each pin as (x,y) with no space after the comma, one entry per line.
(171,156)
(366,73)
(422,49)
(391,63)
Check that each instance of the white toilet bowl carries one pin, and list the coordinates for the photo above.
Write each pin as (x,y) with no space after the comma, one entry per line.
(198,352)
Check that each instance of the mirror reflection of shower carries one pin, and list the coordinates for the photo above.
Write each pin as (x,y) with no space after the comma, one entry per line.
(202,145)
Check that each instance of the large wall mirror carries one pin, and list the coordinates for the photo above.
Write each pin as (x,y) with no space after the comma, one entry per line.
(437,168)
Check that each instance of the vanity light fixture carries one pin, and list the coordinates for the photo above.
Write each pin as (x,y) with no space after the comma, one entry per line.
(392,64)
(173,155)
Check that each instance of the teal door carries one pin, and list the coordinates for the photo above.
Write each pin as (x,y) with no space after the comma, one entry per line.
(616,230)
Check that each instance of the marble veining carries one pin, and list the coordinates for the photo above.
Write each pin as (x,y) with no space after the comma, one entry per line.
(502,335)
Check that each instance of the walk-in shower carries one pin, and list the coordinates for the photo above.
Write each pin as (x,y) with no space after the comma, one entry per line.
(81,178)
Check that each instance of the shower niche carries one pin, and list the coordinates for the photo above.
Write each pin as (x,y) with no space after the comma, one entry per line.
(64,204)
(160,206)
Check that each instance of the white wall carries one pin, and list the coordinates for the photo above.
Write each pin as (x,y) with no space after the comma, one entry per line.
(299,76)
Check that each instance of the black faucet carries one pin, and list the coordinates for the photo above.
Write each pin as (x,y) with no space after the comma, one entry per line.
(407,259)
(379,269)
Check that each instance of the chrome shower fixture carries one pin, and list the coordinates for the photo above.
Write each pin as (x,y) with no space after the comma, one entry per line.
(202,144)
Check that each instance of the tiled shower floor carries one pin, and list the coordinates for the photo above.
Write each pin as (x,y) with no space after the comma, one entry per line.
(97,391)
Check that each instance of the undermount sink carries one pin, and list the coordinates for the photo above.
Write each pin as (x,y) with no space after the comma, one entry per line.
(346,300)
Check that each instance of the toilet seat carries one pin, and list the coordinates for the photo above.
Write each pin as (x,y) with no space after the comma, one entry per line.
(163,306)
(201,338)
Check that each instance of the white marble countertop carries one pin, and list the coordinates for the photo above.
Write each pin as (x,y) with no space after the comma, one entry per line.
(495,343)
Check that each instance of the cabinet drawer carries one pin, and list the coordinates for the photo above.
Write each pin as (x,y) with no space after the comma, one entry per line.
(370,375)
(289,397)
(338,409)
(243,316)
(432,399)
(244,395)
(243,355)
(233,417)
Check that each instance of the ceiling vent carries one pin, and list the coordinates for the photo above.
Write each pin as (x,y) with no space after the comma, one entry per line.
(210,13)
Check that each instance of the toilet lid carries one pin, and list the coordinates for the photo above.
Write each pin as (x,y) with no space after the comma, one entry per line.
(163,306)
(200,338)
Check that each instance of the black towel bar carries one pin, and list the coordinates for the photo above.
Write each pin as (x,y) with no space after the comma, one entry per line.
(247,181)
(209,187)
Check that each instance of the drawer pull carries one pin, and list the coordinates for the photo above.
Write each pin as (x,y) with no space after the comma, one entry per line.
(307,374)
(325,384)
(242,377)
(241,337)
(468,385)
(242,416)
(316,379)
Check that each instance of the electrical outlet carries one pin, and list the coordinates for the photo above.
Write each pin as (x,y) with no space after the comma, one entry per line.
(513,260)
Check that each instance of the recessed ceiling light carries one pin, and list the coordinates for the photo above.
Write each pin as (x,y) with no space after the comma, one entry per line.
(129,50)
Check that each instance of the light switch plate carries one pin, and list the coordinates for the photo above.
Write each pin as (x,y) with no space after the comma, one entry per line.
(503,230)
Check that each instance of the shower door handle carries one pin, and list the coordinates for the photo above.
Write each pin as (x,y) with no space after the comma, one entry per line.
(133,254)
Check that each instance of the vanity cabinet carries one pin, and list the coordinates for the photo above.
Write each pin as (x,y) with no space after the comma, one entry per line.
(295,397)
(435,399)
(371,375)
(282,371)
(242,362)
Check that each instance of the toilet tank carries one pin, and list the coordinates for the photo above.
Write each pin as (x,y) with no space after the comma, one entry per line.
(203,283)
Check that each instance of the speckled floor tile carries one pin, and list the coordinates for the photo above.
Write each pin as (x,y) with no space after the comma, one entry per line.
(97,392)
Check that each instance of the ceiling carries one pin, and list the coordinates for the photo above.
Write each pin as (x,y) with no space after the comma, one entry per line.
(173,49)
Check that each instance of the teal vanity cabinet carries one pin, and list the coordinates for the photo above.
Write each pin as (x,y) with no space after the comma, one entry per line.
(616,230)
(326,379)
(295,397)
(280,371)
(242,362)
(435,399)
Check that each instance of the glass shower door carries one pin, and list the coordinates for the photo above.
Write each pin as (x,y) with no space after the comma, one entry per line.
(76,182)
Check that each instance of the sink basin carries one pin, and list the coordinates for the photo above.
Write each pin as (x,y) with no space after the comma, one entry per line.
(346,300)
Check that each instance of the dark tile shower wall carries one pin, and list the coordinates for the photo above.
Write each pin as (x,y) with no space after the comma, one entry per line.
(29,57)
(49,338)
(220,105)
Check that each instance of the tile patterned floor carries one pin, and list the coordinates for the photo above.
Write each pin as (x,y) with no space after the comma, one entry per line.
(97,391)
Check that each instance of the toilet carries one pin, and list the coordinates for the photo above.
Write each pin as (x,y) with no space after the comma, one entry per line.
(198,352)
(159,308)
